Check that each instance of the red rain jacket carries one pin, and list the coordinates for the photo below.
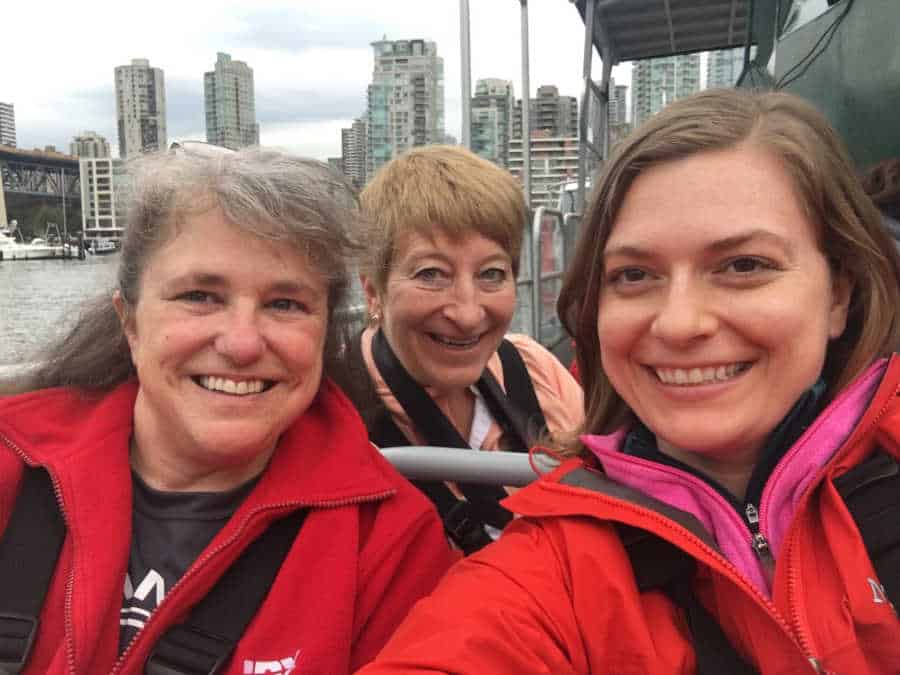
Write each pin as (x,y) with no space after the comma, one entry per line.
(370,547)
(556,594)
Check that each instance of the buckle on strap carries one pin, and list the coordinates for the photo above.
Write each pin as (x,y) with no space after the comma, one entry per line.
(187,650)
(17,632)
(465,528)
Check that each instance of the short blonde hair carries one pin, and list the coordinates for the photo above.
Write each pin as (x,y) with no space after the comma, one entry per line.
(442,186)
(850,233)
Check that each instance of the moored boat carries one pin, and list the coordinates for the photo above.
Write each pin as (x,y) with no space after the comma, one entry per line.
(10,249)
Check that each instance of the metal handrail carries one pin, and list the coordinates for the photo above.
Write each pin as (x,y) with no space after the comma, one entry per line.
(461,465)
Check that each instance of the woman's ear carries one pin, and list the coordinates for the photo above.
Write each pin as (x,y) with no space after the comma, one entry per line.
(841,291)
(123,311)
(373,301)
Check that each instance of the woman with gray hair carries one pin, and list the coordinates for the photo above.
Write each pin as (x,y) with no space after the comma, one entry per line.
(198,465)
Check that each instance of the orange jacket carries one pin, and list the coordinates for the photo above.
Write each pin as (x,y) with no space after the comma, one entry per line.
(556,594)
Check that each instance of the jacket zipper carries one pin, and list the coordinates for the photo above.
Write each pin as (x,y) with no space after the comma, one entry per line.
(202,561)
(758,541)
(796,621)
(70,577)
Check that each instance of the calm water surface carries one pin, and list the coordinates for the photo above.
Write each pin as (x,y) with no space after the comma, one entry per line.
(40,299)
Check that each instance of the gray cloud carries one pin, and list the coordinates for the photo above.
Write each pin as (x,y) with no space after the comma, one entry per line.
(293,30)
(306,105)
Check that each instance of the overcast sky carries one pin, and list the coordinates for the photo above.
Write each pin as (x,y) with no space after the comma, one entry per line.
(311,59)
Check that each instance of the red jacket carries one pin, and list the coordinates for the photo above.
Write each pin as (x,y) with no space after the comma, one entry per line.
(556,594)
(370,547)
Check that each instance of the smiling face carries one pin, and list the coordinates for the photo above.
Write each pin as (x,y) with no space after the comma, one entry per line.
(227,337)
(717,304)
(446,305)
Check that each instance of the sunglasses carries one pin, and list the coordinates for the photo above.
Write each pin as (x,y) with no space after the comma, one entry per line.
(199,149)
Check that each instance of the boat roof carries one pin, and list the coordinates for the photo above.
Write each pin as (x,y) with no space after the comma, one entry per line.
(644,29)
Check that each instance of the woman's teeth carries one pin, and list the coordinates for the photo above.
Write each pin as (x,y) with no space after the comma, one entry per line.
(694,376)
(230,386)
(451,342)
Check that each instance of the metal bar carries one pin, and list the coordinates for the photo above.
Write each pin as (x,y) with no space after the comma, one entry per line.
(536,272)
(671,27)
(734,4)
(602,131)
(468,466)
(526,108)
(584,118)
(597,150)
(464,48)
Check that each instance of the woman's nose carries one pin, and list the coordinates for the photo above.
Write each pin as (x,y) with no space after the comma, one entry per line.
(240,340)
(464,306)
(684,315)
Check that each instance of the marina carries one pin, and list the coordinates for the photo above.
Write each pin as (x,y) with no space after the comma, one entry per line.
(37,249)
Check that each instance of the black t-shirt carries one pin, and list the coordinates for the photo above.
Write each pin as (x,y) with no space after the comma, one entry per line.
(169,530)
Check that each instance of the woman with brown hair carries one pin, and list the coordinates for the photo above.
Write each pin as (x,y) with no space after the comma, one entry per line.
(732,503)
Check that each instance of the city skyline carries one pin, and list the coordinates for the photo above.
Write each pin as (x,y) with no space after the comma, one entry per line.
(312,64)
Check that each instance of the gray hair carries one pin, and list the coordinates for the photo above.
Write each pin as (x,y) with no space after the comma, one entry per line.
(266,194)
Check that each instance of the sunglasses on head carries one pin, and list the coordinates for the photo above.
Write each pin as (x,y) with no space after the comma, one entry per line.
(199,149)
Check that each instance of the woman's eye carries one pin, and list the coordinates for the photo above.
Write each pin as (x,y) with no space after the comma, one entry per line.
(288,305)
(748,265)
(494,275)
(196,296)
(628,275)
(430,275)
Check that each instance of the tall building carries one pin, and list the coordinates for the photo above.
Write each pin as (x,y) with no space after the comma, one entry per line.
(230,104)
(405,106)
(555,115)
(724,67)
(492,109)
(554,160)
(89,144)
(618,103)
(7,124)
(353,152)
(105,188)
(140,108)
(657,82)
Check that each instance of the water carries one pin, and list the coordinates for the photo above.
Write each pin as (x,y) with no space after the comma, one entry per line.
(40,299)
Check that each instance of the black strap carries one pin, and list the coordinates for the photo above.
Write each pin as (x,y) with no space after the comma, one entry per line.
(29,549)
(660,565)
(520,390)
(871,491)
(204,643)
(463,520)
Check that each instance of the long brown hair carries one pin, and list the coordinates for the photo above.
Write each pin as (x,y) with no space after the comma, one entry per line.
(850,233)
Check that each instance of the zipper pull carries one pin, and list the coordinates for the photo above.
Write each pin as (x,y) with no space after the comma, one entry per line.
(758,541)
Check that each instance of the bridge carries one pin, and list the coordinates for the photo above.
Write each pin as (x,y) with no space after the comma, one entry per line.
(35,178)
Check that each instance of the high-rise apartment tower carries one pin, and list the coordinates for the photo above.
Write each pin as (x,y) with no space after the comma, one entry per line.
(230,104)
(657,82)
(554,115)
(140,108)
(723,67)
(405,100)
(7,124)
(492,109)
(353,152)
(89,144)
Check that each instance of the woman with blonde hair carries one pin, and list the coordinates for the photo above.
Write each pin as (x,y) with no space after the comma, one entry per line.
(435,366)
(732,503)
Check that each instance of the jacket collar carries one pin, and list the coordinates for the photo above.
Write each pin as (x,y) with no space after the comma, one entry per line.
(324,458)
(577,488)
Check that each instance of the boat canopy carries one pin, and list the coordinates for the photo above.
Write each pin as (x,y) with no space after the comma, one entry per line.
(629,30)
